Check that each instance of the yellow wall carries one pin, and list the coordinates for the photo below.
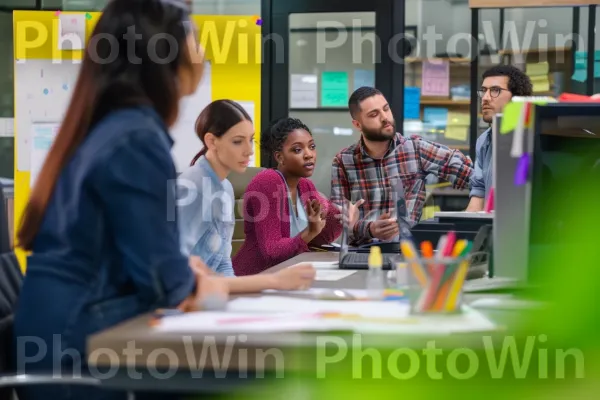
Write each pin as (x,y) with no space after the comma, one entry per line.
(232,44)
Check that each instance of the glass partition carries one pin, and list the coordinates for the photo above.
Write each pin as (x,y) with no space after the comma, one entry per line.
(321,81)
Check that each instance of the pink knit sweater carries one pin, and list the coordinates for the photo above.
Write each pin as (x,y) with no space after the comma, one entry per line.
(267,223)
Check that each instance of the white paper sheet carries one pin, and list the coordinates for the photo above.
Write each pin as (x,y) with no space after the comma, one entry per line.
(285,314)
(227,322)
(332,275)
(303,91)
(278,304)
(322,264)
(317,293)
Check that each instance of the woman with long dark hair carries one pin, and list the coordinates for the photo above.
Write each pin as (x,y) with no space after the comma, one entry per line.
(207,220)
(103,249)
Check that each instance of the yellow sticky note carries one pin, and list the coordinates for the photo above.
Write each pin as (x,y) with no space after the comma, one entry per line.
(457,132)
(510,117)
(540,86)
(541,68)
(458,118)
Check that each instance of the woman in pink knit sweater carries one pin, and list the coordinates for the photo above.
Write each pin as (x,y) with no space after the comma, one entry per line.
(284,214)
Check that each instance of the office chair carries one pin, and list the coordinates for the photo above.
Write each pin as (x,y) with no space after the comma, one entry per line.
(11,280)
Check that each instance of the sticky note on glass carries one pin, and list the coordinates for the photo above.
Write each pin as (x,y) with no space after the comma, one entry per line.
(458,118)
(457,132)
(541,68)
(510,117)
(334,89)
(541,84)
(522,171)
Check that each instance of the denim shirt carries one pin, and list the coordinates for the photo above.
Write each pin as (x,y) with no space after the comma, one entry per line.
(106,250)
(482,179)
(206,215)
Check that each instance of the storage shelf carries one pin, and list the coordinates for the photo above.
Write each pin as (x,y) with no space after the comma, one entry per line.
(445,102)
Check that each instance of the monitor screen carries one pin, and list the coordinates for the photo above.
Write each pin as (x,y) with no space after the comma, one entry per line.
(565,190)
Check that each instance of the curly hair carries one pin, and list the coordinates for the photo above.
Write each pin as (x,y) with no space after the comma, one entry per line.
(273,138)
(519,83)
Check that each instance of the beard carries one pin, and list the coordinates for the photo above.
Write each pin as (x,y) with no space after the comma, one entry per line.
(379,135)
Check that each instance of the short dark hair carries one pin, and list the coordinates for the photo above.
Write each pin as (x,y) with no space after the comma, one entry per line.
(358,96)
(272,139)
(519,83)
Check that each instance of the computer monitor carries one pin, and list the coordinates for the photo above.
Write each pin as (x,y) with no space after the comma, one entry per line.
(565,189)
(554,213)
(511,204)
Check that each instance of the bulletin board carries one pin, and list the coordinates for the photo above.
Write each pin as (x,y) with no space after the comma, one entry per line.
(46,70)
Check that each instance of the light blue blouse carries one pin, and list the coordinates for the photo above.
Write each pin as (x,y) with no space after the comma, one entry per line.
(297,222)
(206,216)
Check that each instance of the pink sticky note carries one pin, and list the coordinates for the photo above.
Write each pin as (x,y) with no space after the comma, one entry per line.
(57,13)
(436,78)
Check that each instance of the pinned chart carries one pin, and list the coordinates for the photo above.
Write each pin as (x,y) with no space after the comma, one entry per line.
(71,31)
(43,95)
(304,91)
(42,137)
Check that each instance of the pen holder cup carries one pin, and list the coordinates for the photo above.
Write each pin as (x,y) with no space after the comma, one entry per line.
(435,285)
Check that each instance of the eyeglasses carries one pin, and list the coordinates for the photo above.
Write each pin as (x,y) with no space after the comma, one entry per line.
(494,91)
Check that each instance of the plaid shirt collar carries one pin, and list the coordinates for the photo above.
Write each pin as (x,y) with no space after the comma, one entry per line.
(396,141)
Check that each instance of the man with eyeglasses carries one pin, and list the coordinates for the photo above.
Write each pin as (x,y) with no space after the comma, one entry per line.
(500,84)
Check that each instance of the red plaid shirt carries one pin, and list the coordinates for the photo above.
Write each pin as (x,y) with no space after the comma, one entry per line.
(356,176)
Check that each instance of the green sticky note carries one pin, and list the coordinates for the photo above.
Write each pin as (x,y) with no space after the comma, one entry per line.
(510,117)
(334,89)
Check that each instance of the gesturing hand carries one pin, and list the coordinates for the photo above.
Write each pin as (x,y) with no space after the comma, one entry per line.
(316,217)
(353,214)
(385,228)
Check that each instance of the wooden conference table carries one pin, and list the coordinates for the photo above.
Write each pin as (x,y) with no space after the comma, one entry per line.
(169,351)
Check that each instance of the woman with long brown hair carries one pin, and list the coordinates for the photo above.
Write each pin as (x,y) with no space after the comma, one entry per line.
(102,247)
(206,223)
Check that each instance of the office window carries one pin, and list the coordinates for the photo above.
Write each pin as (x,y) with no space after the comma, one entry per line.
(6,96)
(541,42)
(437,72)
(323,76)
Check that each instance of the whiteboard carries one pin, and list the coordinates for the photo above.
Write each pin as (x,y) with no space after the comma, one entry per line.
(187,144)
(42,93)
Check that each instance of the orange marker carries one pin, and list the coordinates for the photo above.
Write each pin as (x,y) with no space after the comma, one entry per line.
(427,249)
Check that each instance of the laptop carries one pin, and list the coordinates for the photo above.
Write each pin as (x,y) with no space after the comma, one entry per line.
(355,259)
(464,215)
(359,258)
